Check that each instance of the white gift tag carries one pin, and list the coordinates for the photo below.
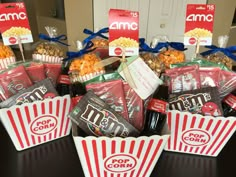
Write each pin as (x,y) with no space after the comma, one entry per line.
(145,80)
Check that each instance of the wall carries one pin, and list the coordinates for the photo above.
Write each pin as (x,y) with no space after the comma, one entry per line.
(223,17)
(232,34)
(78,15)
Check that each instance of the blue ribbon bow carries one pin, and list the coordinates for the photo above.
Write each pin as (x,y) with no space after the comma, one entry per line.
(86,49)
(54,39)
(93,35)
(175,45)
(229,51)
(143,47)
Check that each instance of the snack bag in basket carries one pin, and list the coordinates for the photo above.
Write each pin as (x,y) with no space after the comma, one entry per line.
(39,91)
(100,41)
(7,56)
(50,49)
(170,52)
(222,54)
(95,117)
(82,66)
(183,79)
(13,81)
(112,93)
(149,56)
(35,70)
(203,101)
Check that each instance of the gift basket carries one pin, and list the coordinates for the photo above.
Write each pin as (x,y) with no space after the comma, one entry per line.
(121,118)
(201,118)
(32,111)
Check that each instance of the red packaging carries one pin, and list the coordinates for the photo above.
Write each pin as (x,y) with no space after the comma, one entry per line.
(14,22)
(203,101)
(184,78)
(112,92)
(209,76)
(53,71)
(36,72)
(199,24)
(123,32)
(227,83)
(135,107)
(13,81)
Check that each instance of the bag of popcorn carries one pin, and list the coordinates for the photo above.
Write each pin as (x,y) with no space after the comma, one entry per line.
(50,49)
(222,54)
(82,63)
(7,56)
(100,41)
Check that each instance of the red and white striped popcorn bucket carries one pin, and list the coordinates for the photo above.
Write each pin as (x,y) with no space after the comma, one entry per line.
(119,157)
(47,58)
(198,134)
(4,63)
(39,122)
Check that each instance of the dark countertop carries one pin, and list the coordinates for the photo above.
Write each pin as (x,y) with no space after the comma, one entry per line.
(59,159)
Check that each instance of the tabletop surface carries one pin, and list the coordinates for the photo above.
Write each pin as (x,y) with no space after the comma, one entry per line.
(59,159)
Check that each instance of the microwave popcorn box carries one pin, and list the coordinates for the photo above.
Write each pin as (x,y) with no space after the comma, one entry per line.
(32,124)
(129,157)
(198,134)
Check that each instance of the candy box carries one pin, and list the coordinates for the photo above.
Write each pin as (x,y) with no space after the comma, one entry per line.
(130,157)
(31,124)
(198,134)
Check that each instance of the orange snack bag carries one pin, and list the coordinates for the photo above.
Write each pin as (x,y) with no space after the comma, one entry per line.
(82,68)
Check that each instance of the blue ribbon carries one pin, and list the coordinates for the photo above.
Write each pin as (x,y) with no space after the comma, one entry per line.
(229,51)
(175,45)
(144,47)
(86,49)
(54,39)
(93,35)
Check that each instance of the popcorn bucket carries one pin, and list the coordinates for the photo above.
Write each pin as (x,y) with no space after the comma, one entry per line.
(123,157)
(47,58)
(198,134)
(39,122)
(4,63)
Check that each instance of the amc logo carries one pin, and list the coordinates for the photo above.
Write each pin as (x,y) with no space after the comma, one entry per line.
(43,125)
(192,40)
(195,137)
(118,51)
(120,163)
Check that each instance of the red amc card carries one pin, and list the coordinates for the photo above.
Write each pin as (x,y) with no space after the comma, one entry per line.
(123,32)
(199,24)
(14,24)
